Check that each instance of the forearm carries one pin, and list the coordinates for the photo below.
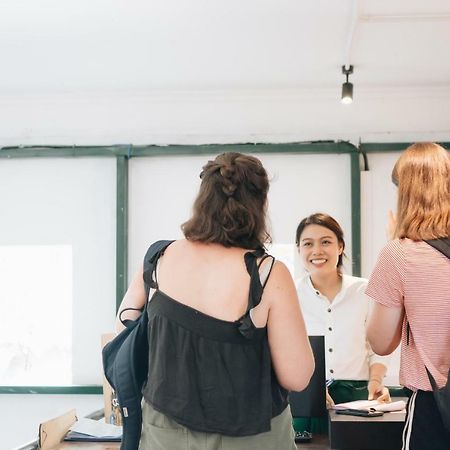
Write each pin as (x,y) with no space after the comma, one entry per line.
(134,298)
(377,371)
(375,386)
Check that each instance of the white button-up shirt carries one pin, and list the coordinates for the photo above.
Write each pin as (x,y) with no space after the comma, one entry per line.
(348,355)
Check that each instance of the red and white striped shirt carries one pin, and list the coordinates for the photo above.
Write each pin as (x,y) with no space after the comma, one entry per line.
(415,276)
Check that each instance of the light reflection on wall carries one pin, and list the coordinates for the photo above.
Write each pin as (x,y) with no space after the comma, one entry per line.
(36,290)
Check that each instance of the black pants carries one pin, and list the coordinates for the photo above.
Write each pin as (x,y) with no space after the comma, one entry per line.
(424,429)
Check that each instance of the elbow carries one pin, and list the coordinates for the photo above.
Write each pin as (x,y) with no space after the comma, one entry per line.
(380,345)
(301,378)
(382,349)
(297,386)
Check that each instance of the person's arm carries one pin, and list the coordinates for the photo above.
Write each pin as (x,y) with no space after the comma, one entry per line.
(384,325)
(291,353)
(134,298)
(384,328)
(377,371)
(328,399)
(375,386)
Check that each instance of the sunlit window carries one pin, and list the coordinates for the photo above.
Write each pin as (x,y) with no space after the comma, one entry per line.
(36,315)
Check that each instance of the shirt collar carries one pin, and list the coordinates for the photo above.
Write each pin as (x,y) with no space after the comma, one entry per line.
(339,296)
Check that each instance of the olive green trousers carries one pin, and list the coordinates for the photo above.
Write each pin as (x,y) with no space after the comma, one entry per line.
(162,433)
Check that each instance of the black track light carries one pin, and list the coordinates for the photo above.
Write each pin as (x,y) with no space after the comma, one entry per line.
(347,87)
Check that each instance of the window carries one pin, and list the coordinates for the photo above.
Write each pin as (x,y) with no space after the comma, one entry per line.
(57,269)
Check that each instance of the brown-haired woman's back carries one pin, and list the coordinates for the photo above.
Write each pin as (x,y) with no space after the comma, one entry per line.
(226,335)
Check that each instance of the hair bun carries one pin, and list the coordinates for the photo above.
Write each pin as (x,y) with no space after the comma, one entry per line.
(229,184)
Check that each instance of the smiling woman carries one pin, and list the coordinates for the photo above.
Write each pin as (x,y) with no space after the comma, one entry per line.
(335,306)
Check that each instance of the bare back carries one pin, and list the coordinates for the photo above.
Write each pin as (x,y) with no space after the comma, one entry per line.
(207,277)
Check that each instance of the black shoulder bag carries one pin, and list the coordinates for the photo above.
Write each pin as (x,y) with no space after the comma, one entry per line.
(125,359)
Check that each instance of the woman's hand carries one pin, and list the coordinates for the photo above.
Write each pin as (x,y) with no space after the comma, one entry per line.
(377,391)
(330,402)
(392,224)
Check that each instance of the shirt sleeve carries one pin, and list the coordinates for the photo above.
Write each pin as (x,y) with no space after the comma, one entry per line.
(386,281)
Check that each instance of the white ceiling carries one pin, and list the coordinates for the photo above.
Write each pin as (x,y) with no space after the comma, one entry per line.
(122,45)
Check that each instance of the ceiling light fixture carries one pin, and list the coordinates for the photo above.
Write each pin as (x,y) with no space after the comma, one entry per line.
(347,88)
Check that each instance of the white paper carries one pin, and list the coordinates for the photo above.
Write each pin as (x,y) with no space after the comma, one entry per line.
(399,405)
(96,428)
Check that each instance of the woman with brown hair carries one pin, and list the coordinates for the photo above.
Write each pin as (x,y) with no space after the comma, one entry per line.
(411,284)
(226,335)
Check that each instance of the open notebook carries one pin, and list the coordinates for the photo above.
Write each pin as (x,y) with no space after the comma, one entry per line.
(372,405)
(94,430)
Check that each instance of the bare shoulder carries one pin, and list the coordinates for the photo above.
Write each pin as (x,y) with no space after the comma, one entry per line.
(280,282)
(280,272)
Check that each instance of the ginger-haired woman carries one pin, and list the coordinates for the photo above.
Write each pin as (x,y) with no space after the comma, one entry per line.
(411,288)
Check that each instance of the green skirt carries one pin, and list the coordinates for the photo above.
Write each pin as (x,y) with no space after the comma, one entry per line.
(341,391)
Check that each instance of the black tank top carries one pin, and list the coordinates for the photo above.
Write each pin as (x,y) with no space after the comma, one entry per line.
(208,374)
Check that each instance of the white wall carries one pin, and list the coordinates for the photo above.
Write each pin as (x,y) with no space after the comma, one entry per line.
(222,116)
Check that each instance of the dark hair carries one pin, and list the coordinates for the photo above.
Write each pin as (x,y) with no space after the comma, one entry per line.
(326,221)
(230,208)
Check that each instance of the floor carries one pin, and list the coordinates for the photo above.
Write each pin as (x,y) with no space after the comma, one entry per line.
(317,443)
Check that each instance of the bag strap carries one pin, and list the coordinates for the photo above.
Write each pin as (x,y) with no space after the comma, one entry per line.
(127,322)
(441,244)
(155,251)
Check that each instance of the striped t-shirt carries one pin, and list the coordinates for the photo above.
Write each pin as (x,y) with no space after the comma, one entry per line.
(416,276)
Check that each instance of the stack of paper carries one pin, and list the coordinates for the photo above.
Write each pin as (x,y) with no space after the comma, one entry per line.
(372,405)
(93,430)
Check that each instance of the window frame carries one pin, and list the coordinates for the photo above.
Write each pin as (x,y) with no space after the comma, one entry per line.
(124,152)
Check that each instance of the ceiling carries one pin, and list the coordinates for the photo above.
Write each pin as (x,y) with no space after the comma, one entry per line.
(152,45)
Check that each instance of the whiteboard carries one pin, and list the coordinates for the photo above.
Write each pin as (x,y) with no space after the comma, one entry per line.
(162,190)
(378,195)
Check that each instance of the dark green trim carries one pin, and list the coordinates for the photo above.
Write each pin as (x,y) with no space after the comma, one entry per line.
(121,228)
(385,147)
(299,147)
(62,152)
(91,389)
(356,213)
(156,150)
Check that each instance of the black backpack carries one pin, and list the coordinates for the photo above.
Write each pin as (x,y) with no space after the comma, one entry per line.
(125,359)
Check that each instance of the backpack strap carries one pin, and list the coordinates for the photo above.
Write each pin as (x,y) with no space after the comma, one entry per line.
(155,251)
(441,244)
